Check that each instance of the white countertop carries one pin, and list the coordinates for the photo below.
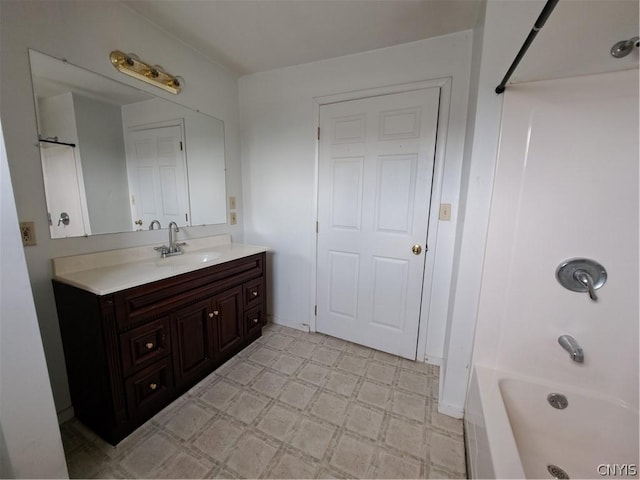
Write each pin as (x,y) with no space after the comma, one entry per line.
(107,272)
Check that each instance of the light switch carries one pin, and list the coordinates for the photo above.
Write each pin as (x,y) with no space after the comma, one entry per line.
(445,211)
(233,219)
(232,203)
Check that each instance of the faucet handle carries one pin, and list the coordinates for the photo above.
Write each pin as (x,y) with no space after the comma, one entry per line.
(584,278)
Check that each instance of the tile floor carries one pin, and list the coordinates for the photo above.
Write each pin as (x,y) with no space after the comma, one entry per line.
(291,405)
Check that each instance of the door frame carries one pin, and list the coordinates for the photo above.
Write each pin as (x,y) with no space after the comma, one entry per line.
(444,84)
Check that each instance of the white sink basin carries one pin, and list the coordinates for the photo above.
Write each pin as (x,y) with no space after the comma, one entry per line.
(193,258)
(180,262)
(198,257)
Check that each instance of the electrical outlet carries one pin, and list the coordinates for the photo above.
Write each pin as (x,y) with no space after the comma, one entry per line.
(28,233)
(232,203)
(233,218)
(445,211)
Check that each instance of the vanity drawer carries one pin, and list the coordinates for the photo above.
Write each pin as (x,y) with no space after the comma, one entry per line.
(253,320)
(150,389)
(253,292)
(144,345)
(134,304)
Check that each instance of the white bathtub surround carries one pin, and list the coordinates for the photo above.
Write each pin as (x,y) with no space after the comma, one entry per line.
(107,272)
(566,186)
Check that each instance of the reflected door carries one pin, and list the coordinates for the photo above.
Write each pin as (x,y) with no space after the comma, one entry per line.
(375,172)
(64,191)
(157,176)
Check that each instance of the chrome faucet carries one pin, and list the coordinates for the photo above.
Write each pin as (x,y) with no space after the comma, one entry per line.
(172,225)
(570,345)
(174,247)
(154,222)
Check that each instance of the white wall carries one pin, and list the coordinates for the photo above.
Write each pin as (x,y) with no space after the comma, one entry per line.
(84,33)
(279,121)
(30,444)
(104,168)
(58,118)
(566,186)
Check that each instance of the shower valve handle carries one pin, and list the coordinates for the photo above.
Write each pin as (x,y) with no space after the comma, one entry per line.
(584,278)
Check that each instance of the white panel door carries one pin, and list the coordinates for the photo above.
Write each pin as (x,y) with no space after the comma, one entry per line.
(375,173)
(157,176)
(64,190)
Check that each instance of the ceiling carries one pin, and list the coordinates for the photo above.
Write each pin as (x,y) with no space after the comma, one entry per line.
(249,36)
(577,38)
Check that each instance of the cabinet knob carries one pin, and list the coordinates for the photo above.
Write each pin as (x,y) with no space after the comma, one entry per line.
(216,312)
(211,315)
(255,320)
(153,386)
(254,293)
(149,345)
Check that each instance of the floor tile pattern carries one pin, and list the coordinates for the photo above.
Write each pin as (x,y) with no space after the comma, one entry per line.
(291,405)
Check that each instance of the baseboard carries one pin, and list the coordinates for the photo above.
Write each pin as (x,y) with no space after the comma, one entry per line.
(65,415)
(451,410)
(431,360)
(284,323)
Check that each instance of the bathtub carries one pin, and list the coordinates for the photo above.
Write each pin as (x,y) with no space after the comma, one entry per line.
(513,432)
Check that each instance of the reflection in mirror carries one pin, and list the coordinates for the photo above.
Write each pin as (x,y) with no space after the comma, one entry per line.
(115,158)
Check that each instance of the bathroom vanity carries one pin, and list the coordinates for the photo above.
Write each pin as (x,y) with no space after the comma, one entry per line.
(138,334)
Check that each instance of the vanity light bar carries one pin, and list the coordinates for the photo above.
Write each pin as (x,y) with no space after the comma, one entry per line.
(155,75)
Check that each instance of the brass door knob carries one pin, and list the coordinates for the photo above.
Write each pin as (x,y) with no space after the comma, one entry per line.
(416,249)
(149,345)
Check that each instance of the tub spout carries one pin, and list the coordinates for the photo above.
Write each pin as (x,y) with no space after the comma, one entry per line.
(570,345)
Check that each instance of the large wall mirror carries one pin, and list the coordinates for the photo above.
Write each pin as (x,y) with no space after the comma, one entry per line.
(115,158)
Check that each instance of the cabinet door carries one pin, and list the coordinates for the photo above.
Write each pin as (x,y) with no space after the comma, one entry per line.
(227,313)
(193,342)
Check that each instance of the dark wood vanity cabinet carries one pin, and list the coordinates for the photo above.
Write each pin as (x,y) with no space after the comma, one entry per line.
(130,353)
(193,343)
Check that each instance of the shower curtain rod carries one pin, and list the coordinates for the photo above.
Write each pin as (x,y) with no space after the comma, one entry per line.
(544,15)
(57,142)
